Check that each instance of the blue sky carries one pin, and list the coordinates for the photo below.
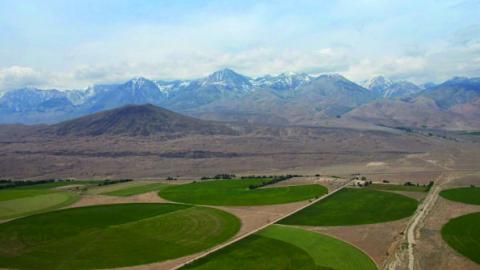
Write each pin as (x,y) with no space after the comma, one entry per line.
(73,44)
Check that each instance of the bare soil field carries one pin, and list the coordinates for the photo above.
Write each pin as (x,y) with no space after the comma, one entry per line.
(425,248)
(377,240)
(94,199)
(432,252)
(107,188)
(266,150)
(419,196)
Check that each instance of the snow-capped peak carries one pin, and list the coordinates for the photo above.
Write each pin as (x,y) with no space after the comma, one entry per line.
(228,79)
(377,83)
(138,82)
(283,81)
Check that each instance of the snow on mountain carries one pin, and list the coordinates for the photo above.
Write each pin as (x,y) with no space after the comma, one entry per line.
(283,81)
(377,84)
(228,79)
(386,88)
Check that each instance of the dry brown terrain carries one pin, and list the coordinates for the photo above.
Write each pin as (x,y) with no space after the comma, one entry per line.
(260,150)
(422,246)
(431,251)
(376,240)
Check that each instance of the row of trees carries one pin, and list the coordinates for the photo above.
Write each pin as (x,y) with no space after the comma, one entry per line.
(9,183)
(427,187)
(107,182)
(274,179)
(219,176)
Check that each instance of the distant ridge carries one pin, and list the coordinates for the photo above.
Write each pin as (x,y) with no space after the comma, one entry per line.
(284,99)
(137,120)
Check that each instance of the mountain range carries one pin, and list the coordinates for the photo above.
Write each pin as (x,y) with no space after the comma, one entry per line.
(284,99)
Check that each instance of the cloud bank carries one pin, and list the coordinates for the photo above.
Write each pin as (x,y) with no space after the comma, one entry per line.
(72,45)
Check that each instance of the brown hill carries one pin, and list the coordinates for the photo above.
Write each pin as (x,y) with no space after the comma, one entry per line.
(136,120)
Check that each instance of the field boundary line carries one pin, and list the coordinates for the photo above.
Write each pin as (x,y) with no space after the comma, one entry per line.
(217,248)
(411,228)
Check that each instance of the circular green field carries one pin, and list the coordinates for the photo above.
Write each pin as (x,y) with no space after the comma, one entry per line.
(352,206)
(286,247)
(470,195)
(111,236)
(463,235)
(21,202)
(236,192)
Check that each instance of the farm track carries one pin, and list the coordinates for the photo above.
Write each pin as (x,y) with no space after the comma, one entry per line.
(258,229)
(401,260)
(424,210)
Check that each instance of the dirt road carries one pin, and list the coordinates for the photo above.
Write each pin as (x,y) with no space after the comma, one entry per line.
(421,213)
(259,228)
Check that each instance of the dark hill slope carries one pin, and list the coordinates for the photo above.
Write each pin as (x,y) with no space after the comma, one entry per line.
(137,120)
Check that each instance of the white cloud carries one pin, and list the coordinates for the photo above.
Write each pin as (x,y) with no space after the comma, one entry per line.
(17,77)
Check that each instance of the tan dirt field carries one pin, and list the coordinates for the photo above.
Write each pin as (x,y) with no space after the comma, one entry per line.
(376,240)
(434,253)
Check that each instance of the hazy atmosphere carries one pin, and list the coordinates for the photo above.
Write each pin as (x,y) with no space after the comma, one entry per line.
(73,44)
(234,135)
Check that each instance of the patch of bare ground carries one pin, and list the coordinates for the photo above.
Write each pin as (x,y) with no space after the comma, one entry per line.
(465,181)
(330,183)
(252,218)
(94,199)
(419,196)
(422,247)
(431,251)
(69,187)
(113,187)
(377,240)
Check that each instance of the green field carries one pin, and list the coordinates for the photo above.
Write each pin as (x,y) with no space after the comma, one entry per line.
(19,201)
(463,235)
(393,187)
(470,195)
(236,192)
(110,236)
(286,247)
(354,207)
(135,190)
(57,184)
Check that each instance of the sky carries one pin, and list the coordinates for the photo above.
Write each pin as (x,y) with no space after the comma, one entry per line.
(74,44)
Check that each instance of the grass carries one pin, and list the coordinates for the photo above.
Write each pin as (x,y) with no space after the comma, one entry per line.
(21,202)
(56,184)
(463,235)
(236,192)
(393,187)
(135,190)
(286,247)
(111,236)
(98,190)
(354,207)
(470,195)
(17,193)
